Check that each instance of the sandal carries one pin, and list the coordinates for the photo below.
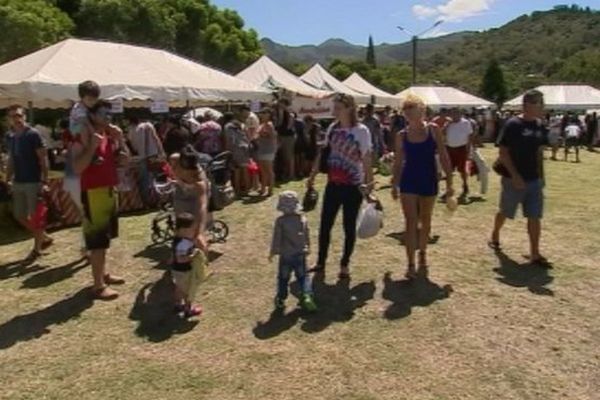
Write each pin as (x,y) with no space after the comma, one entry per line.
(31,257)
(540,262)
(47,243)
(411,272)
(344,274)
(113,280)
(104,293)
(494,245)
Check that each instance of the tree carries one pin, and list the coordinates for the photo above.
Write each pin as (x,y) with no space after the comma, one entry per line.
(371,53)
(27,26)
(193,28)
(493,86)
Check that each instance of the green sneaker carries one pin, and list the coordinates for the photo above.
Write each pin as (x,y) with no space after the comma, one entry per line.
(279,303)
(308,303)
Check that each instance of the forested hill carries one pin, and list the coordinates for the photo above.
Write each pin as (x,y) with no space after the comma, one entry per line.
(560,45)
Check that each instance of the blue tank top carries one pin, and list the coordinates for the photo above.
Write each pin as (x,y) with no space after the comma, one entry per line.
(420,174)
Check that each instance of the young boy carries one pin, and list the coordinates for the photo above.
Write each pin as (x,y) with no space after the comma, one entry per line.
(188,266)
(291,243)
(80,124)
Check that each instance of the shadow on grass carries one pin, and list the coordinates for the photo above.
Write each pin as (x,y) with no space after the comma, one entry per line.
(55,275)
(161,254)
(399,236)
(36,324)
(18,268)
(405,294)
(254,200)
(153,309)
(337,303)
(523,275)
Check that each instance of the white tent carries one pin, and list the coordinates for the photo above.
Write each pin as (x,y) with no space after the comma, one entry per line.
(49,77)
(564,97)
(382,98)
(318,77)
(437,97)
(267,74)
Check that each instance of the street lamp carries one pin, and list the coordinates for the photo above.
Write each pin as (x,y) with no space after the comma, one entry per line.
(415,38)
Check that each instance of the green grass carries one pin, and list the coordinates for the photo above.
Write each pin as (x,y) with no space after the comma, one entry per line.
(483,328)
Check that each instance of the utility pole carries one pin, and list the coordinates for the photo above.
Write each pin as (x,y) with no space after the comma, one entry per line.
(415,39)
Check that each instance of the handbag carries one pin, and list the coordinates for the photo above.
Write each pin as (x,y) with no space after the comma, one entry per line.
(500,169)
(311,198)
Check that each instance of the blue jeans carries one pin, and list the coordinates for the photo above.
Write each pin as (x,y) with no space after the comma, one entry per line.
(144,181)
(287,264)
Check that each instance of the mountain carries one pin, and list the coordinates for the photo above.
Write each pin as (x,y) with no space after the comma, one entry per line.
(333,49)
(559,45)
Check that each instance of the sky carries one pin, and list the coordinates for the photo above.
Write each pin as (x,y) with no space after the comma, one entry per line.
(297,22)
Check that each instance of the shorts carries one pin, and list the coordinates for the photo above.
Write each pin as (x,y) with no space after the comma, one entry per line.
(572,141)
(100,222)
(25,199)
(532,199)
(265,157)
(188,281)
(458,158)
(286,147)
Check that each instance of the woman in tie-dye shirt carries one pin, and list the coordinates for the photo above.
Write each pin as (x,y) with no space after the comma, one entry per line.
(349,175)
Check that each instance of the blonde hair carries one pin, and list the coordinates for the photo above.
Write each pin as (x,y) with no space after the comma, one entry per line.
(348,102)
(412,100)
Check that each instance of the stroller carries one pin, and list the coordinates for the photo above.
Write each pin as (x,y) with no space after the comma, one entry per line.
(220,196)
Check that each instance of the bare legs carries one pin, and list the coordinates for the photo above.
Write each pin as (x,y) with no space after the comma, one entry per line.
(417,213)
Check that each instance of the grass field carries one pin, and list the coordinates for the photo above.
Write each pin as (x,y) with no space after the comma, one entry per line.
(485,326)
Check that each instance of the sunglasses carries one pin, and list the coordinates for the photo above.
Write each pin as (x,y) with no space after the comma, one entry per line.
(16,115)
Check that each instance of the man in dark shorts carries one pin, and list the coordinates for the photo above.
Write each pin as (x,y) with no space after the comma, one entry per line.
(521,143)
(98,196)
(27,173)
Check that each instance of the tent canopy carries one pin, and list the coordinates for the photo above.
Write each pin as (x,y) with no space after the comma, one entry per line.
(564,97)
(320,78)
(360,84)
(437,97)
(267,74)
(49,77)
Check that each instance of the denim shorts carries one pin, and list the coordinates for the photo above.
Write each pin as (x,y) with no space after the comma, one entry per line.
(532,199)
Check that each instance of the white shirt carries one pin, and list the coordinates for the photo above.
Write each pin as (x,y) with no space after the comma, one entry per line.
(143,140)
(573,131)
(458,133)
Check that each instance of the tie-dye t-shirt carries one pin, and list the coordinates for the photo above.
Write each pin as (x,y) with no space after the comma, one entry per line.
(348,148)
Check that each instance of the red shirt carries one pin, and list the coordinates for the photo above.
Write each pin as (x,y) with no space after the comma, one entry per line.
(101,174)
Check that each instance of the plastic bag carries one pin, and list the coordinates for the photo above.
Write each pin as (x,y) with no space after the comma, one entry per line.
(370,221)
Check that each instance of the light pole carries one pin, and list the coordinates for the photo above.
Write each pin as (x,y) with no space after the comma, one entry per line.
(415,39)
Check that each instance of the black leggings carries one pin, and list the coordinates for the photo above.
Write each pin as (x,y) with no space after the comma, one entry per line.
(336,196)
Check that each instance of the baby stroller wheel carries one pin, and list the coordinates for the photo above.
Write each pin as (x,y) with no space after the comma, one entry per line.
(218,231)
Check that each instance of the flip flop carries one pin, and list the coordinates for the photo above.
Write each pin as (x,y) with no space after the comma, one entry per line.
(540,262)
(317,268)
(411,273)
(47,243)
(494,245)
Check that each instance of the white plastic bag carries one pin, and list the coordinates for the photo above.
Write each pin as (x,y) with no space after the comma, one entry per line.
(370,221)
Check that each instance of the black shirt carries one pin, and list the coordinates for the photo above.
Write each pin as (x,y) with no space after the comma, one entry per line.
(523,140)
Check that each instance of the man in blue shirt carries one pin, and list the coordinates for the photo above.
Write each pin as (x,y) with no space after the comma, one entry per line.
(27,174)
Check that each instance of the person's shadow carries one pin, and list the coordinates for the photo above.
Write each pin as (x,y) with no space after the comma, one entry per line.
(161,254)
(36,324)
(401,237)
(336,303)
(18,268)
(406,294)
(523,275)
(55,275)
(153,309)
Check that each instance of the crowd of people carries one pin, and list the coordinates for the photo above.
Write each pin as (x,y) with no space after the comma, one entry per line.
(274,144)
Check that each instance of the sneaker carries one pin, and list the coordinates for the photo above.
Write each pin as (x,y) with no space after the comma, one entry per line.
(193,311)
(308,303)
(279,303)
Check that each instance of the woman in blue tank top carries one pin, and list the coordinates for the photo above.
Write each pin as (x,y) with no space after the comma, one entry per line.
(416,179)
